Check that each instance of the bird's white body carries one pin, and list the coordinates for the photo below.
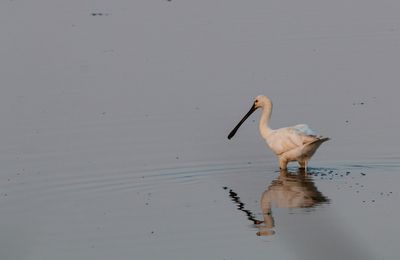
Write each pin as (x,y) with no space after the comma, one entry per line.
(295,143)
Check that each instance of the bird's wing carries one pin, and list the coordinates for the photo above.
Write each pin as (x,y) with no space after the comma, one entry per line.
(285,139)
(303,134)
(304,129)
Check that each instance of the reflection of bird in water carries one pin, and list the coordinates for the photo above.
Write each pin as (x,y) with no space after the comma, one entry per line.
(296,143)
(324,239)
(289,190)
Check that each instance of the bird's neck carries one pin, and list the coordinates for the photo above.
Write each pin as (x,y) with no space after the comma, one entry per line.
(264,120)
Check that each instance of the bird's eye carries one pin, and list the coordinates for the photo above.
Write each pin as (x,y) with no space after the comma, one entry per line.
(255,101)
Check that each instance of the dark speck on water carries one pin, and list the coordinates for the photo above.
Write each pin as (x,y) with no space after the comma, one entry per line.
(100,14)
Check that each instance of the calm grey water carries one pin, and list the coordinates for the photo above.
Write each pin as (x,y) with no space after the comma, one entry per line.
(114,119)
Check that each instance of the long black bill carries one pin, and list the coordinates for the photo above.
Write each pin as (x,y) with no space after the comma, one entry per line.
(233,132)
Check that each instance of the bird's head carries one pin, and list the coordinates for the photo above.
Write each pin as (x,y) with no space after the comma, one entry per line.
(259,101)
(262,101)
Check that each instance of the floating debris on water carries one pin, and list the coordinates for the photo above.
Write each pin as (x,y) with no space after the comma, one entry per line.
(100,14)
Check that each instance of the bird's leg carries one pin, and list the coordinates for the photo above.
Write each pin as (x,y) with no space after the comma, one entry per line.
(283,163)
(303,165)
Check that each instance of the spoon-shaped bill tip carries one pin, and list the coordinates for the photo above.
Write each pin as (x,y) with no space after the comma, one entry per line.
(232,133)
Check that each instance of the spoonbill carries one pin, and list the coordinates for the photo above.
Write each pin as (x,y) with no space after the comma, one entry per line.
(294,143)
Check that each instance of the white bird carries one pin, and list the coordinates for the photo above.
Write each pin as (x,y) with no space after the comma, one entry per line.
(295,143)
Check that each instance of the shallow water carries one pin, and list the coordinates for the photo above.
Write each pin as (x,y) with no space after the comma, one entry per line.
(349,211)
(114,125)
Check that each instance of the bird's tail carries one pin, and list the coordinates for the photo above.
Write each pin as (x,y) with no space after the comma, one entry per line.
(310,148)
(321,140)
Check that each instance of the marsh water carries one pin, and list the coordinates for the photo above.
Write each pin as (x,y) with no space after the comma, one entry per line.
(115,116)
